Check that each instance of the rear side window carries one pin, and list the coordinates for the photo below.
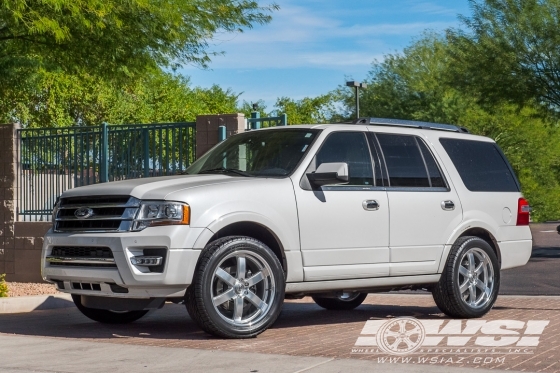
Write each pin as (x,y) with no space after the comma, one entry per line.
(409,162)
(481,165)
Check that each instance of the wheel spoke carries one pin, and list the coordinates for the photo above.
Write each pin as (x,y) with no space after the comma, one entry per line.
(470,256)
(253,298)
(480,267)
(479,284)
(241,267)
(238,309)
(225,277)
(408,342)
(402,326)
(393,334)
(414,331)
(258,277)
(224,297)
(472,294)
(396,343)
(463,271)
(464,286)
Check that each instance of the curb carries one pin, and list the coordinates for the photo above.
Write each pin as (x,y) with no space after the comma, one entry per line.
(35,303)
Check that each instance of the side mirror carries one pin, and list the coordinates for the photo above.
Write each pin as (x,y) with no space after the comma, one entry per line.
(329,174)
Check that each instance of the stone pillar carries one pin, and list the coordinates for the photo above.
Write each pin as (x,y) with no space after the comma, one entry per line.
(207,129)
(8,195)
(20,242)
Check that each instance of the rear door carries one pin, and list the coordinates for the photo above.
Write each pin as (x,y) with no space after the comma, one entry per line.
(424,208)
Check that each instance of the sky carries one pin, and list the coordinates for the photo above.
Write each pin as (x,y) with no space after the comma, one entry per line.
(312,46)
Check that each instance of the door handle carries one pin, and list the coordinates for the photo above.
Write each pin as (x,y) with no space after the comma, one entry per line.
(448,205)
(370,205)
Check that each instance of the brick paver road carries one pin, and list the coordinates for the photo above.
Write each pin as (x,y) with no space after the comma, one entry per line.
(305,329)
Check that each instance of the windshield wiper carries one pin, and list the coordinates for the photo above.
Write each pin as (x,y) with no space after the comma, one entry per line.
(224,170)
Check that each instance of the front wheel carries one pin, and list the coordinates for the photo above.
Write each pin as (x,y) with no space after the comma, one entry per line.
(470,281)
(342,301)
(238,288)
(107,316)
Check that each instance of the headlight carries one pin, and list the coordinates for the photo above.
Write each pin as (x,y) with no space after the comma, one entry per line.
(155,213)
(55,209)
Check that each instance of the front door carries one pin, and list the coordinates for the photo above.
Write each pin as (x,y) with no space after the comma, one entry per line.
(344,229)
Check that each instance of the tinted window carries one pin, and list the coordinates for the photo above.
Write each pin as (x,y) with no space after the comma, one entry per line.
(352,148)
(433,170)
(481,165)
(404,161)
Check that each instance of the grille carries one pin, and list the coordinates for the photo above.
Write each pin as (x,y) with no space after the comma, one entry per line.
(82,252)
(81,256)
(96,214)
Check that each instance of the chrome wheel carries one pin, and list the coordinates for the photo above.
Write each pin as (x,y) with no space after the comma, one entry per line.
(347,297)
(476,278)
(243,287)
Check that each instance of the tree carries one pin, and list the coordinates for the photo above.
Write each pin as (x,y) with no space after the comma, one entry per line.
(116,38)
(58,99)
(418,85)
(308,110)
(509,51)
(410,85)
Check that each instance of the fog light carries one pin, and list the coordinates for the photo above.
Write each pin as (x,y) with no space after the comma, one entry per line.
(146,261)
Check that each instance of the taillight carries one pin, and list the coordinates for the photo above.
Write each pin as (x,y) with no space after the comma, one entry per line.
(523,212)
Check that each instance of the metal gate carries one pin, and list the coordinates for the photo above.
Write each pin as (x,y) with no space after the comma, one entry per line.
(52,160)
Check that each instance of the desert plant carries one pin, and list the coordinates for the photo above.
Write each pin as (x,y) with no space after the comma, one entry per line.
(3,286)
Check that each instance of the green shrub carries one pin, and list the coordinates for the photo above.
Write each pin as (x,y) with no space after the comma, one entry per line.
(3,286)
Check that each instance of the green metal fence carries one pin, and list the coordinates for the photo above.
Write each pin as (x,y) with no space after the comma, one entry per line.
(52,160)
(255,122)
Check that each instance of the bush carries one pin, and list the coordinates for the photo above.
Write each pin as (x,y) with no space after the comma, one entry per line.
(3,286)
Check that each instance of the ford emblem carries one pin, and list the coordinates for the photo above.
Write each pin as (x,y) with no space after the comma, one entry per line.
(83,213)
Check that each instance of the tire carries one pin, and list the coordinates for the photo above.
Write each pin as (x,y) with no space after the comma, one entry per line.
(470,281)
(343,302)
(231,303)
(107,316)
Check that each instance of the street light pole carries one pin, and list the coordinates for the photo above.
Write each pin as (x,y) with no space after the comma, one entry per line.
(357,86)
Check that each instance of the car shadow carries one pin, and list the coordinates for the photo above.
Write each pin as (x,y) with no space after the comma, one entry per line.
(172,322)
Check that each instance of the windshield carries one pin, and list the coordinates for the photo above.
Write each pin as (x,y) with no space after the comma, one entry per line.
(257,153)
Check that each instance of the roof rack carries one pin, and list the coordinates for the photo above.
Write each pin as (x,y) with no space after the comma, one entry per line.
(411,123)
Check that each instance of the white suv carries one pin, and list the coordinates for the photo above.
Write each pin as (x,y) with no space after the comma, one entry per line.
(332,211)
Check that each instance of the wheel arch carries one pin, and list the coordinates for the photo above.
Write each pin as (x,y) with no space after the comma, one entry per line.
(486,236)
(476,229)
(257,231)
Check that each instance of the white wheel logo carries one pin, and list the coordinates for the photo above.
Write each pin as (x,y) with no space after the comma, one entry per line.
(401,336)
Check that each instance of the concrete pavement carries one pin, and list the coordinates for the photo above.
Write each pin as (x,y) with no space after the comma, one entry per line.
(34,354)
(305,335)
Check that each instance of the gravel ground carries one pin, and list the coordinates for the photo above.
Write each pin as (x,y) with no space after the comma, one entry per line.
(20,289)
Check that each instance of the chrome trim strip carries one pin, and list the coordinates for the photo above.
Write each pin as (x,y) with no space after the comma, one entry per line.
(85,230)
(60,259)
(95,217)
(93,205)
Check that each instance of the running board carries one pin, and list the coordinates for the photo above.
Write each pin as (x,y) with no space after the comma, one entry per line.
(360,284)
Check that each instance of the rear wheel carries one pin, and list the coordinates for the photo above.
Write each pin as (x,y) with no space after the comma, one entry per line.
(238,288)
(470,281)
(107,316)
(343,301)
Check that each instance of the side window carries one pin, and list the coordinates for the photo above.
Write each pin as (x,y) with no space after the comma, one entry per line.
(433,170)
(352,148)
(409,162)
(481,165)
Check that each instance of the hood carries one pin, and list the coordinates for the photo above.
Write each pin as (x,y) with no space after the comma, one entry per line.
(152,187)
